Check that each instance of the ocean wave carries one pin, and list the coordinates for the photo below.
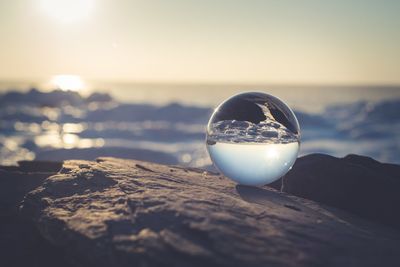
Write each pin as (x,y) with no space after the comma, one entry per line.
(59,125)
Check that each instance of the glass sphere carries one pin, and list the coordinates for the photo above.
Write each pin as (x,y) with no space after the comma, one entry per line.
(253,138)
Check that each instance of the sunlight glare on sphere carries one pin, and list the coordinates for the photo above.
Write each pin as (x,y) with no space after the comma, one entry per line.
(67,10)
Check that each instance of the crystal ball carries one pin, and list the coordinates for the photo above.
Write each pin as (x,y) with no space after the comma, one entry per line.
(253,138)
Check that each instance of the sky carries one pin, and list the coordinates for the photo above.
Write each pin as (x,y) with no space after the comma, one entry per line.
(249,41)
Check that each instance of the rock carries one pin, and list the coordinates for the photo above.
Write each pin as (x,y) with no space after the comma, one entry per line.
(354,183)
(32,167)
(34,97)
(117,212)
(99,97)
(21,244)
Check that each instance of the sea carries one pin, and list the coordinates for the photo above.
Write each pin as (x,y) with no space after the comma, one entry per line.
(165,122)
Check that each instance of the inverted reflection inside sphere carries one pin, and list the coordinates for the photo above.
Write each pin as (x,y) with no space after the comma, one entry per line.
(253,138)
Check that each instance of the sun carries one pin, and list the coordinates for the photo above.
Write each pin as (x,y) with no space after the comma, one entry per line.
(68,83)
(67,10)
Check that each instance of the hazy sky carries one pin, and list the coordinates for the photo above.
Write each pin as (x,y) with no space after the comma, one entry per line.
(204,40)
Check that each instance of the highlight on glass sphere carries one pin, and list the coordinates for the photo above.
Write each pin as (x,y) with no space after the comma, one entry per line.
(253,138)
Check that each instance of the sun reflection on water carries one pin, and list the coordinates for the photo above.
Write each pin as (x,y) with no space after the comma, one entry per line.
(54,135)
(74,127)
(68,83)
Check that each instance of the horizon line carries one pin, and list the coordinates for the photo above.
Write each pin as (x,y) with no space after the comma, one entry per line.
(36,81)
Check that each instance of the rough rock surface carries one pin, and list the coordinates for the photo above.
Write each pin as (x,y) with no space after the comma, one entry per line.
(21,244)
(354,183)
(129,213)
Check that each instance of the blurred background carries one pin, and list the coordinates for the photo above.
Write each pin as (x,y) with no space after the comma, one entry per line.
(139,79)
